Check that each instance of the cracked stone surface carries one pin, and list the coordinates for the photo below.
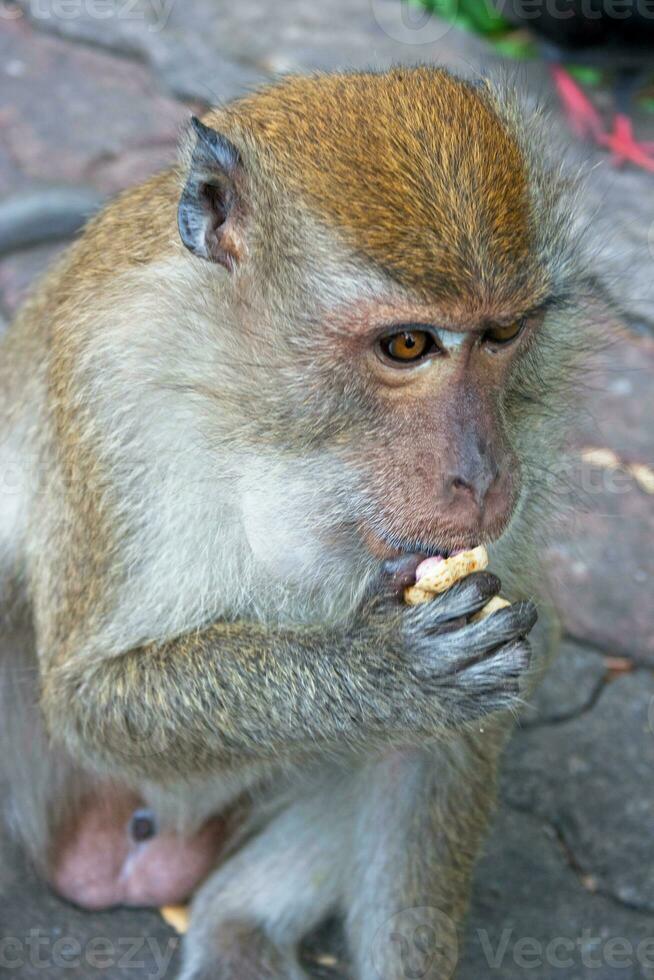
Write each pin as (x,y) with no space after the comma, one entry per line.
(591,778)
(66,112)
(97,99)
(570,686)
(532,917)
(601,566)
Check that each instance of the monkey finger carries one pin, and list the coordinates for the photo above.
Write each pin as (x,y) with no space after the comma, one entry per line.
(493,684)
(466,597)
(503,667)
(450,652)
(398,573)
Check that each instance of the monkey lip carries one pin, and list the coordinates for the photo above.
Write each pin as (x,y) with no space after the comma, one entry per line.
(400,559)
(404,570)
(391,549)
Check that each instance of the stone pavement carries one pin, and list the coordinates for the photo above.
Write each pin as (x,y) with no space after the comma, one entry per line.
(92,94)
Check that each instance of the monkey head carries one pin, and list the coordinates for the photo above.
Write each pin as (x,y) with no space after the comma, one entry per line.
(400,261)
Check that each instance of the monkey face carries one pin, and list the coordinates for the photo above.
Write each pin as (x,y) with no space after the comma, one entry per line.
(389,277)
(434,448)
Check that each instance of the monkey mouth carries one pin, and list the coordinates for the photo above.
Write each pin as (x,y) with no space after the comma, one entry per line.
(400,557)
(389,547)
(401,571)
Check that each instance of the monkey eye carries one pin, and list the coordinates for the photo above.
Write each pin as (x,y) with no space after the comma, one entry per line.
(502,334)
(407,346)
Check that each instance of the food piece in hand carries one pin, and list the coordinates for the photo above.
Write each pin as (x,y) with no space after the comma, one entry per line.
(497,602)
(177,916)
(436,575)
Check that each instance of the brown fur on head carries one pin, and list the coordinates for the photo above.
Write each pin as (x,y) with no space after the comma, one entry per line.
(415,169)
(365,201)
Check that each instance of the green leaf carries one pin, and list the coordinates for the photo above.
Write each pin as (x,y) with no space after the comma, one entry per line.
(585,74)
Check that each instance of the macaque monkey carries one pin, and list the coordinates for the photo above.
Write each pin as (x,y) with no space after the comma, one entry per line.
(254,394)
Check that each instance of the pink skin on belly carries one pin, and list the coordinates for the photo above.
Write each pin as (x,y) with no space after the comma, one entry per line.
(98,863)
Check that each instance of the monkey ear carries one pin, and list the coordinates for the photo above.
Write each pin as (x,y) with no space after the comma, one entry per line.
(208,213)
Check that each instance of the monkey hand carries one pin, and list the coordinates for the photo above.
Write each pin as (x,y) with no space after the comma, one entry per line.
(471,668)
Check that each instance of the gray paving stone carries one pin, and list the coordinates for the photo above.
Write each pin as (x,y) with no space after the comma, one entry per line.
(592,779)
(570,686)
(212,49)
(67,109)
(618,403)
(602,569)
(44,938)
(621,203)
(531,917)
(187,44)
(601,563)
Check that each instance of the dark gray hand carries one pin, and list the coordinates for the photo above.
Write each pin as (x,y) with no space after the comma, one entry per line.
(471,669)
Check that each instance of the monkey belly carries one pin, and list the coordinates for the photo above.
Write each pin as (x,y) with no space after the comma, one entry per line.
(107,856)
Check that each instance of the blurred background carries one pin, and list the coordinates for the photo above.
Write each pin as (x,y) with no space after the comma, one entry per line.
(92,97)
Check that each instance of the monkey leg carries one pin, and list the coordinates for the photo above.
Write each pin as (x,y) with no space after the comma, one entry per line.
(248,919)
(111,852)
(421,814)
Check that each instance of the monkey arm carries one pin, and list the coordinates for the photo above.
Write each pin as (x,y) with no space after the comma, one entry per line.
(235,692)
(245,692)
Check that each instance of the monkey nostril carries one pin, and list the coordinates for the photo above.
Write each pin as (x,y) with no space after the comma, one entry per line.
(461,489)
(459,484)
(472,491)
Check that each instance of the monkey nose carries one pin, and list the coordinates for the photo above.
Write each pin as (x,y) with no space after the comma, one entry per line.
(466,488)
